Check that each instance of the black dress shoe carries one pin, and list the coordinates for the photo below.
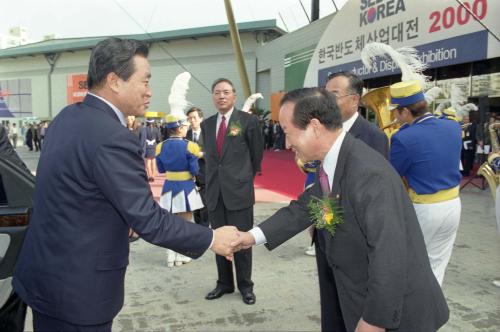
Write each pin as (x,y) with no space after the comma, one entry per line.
(217,292)
(248,297)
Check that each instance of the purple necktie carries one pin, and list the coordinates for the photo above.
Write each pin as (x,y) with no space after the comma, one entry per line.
(220,135)
(324,182)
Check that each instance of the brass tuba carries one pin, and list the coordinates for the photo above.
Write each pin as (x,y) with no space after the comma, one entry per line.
(378,101)
(490,173)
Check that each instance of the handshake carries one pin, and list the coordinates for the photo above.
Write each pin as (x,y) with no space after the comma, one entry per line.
(228,240)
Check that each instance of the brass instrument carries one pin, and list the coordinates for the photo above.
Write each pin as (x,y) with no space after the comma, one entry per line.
(492,128)
(378,101)
(486,169)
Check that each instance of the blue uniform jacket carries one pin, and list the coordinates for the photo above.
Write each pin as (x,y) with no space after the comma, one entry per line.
(427,154)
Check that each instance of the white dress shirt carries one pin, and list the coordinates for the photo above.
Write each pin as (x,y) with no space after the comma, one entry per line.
(115,109)
(329,165)
(347,125)
(196,135)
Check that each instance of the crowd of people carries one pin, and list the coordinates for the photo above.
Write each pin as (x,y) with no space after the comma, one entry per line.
(31,134)
(382,244)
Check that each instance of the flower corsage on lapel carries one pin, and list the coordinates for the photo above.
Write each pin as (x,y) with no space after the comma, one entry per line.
(235,129)
(326,213)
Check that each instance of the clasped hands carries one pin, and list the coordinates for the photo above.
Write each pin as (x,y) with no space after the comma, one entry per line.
(228,240)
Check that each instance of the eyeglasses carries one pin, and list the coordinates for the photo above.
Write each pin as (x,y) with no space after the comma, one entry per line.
(340,96)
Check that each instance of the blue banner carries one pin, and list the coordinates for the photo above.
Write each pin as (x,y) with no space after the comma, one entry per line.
(461,49)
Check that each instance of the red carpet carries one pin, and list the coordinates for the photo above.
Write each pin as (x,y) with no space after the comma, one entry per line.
(280,174)
(280,181)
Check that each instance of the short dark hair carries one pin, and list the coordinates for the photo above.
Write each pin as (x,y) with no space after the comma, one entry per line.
(195,109)
(314,103)
(114,55)
(355,83)
(418,109)
(172,131)
(220,80)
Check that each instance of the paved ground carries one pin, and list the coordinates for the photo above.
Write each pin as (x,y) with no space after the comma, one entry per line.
(162,299)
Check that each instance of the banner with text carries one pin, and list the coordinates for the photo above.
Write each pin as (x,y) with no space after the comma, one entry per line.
(444,32)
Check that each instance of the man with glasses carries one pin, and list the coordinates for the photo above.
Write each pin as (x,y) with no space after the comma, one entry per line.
(233,146)
(348,88)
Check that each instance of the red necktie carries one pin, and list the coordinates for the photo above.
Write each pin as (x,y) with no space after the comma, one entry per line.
(324,182)
(220,135)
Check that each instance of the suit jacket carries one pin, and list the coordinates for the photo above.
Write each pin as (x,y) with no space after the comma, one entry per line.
(200,178)
(232,174)
(377,254)
(370,134)
(91,187)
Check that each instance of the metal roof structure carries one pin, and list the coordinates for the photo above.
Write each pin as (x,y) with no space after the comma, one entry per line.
(74,44)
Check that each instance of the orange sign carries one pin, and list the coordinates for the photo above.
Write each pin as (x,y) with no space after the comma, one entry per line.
(77,88)
(275,104)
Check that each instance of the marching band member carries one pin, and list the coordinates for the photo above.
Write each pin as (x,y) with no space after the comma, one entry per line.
(426,153)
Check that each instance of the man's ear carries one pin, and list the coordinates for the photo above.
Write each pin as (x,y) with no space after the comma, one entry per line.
(113,82)
(357,99)
(316,125)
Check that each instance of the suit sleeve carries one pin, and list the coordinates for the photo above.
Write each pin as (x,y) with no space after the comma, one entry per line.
(378,204)
(255,142)
(381,143)
(287,221)
(119,173)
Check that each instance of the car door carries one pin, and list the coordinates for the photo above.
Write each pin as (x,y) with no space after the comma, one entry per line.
(16,191)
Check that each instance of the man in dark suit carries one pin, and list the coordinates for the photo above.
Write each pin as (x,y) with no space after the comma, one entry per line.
(468,145)
(376,255)
(29,137)
(233,146)
(91,187)
(348,88)
(195,118)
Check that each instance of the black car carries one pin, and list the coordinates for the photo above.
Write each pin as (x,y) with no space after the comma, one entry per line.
(16,190)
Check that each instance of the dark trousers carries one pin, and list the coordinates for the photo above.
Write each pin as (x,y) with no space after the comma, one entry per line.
(37,144)
(201,215)
(467,161)
(331,313)
(243,220)
(42,323)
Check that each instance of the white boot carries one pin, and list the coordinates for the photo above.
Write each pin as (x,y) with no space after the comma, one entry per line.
(183,259)
(171,258)
(311,251)
(178,261)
